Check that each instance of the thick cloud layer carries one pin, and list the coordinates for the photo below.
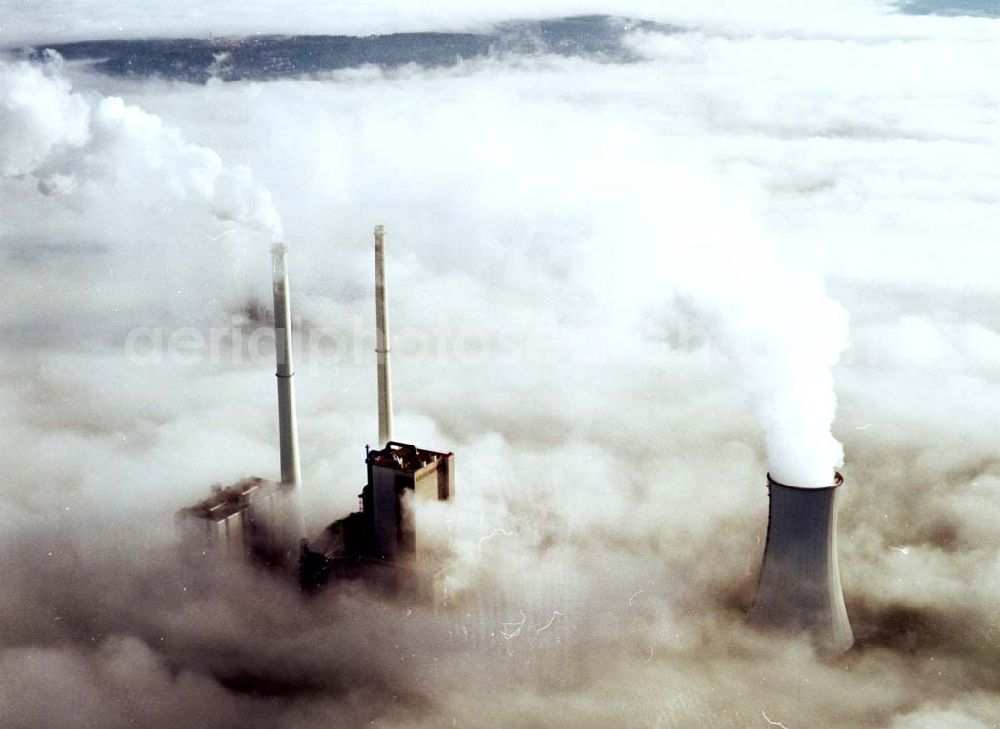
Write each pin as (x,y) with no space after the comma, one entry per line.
(573,248)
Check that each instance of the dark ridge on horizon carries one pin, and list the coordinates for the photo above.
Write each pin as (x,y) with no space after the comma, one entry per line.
(269,57)
(972,8)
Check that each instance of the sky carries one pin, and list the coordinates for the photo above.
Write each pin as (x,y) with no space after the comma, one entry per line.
(621,293)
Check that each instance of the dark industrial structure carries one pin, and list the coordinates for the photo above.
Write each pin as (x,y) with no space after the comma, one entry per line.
(232,519)
(385,542)
(389,546)
(799,588)
(387,530)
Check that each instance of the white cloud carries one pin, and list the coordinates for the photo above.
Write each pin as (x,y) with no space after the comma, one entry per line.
(568,221)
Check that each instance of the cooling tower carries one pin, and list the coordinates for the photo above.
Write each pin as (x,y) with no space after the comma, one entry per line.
(799,588)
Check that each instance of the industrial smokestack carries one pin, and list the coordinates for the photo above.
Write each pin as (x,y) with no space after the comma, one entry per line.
(287,426)
(382,343)
(799,588)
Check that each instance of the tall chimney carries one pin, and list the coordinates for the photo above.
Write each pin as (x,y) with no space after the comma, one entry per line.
(287,427)
(799,588)
(382,342)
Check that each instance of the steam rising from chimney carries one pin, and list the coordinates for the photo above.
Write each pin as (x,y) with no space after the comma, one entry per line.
(79,145)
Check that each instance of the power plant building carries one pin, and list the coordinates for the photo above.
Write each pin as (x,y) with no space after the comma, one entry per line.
(387,531)
(233,519)
(262,520)
(399,475)
(387,544)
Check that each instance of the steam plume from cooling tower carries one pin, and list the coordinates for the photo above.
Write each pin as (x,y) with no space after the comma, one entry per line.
(76,145)
(787,338)
(772,319)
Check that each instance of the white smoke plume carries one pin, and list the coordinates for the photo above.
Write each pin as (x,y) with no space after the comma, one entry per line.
(573,251)
(692,237)
(76,145)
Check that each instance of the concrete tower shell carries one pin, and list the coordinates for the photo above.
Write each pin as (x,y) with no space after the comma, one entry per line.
(799,588)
